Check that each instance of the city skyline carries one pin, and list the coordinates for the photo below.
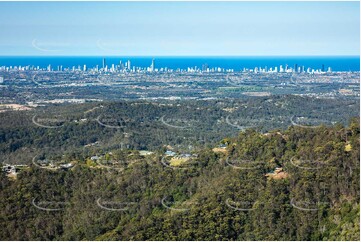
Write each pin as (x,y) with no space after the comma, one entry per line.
(127,67)
(180,29)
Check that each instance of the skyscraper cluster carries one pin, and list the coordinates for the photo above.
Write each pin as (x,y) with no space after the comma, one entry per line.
(127,67)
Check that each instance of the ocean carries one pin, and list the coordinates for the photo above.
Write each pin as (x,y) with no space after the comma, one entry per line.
(337,63)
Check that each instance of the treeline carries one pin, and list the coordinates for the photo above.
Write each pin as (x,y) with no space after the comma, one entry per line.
(222,196)
(153,125)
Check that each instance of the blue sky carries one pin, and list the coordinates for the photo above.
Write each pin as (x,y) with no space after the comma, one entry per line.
(179,28)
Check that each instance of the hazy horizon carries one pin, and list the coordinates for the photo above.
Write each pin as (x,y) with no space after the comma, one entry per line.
(180,29)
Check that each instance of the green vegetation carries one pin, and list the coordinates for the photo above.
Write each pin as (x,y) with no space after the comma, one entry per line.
(137,125)
(210,200)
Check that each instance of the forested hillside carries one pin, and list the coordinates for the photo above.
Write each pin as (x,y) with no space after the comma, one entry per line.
(72,129)
(301,183)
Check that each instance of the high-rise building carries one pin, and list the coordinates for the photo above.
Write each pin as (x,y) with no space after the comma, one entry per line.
(104,63)
(204,67)
(121,65)
(129,65)
(152,66)
(323,68)
(296,68)
(1,79)
(84,68)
